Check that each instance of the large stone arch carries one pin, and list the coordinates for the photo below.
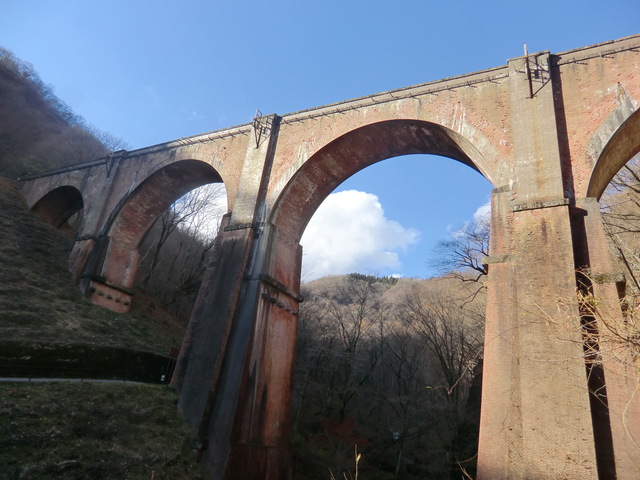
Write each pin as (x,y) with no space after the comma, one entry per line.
(255,300)
(130,222)
(358,149)
(264,441)
(59,205)
(136,213)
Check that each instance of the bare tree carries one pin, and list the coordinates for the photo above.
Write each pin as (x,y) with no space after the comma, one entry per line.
(454,338)
(463,253)
(188,213)
(620,206)
(621,215)
(174,251)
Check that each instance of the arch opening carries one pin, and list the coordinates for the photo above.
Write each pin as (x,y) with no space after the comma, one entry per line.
(359,327)
(358,149)
(388,218)
(59,206)
(112,285)
(615,182)
(621,147)
(174,251)
(620,208)
(154,195)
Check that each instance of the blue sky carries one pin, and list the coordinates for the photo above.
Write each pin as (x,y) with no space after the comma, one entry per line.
(152,71)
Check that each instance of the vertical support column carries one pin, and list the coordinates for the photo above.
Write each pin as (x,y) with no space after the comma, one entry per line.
(260,441)
(92,247)
(500,441)
(79,256)
(203,348)
(209,373)
(123,265)
(556,434)
(618,397)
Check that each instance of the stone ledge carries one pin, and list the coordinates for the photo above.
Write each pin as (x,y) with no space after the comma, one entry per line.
(543,203)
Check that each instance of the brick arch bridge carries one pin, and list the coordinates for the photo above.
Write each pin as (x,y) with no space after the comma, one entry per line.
(549,131)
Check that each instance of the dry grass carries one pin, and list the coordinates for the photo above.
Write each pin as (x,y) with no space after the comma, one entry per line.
(39,304)
(97,431)
(72,430)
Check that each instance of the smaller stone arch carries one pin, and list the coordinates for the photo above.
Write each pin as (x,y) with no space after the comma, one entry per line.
(130,223)
(137,212)
(620,147)
(58,206)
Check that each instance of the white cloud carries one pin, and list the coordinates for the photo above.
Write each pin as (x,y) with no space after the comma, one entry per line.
(349,233)
(483,213)
(481,217)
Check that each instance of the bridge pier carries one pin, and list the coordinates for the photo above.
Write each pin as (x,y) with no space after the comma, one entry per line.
(210,367)
(260,438)
(535,395)
(106,283)
(241,343)
(78,258)
(538,357)
(500,443)
(241,339)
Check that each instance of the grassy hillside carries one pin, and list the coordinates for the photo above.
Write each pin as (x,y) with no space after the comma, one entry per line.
(78,430)
(39,304)
(71,431)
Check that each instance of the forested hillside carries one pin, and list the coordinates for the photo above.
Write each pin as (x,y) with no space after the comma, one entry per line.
(394,367)
(38,131)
